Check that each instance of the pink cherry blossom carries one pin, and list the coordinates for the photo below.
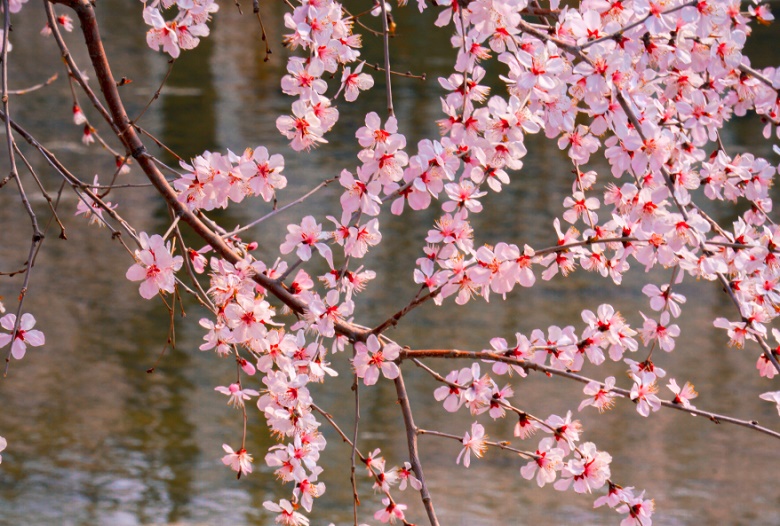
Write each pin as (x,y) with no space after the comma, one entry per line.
(406,475)
(371,357)
(639,510)
(546,465)
(239,461)
(302,238)
(304,129)
(525,427)
(155,266)
(660,332)
(248,317)
(643,393)
(682,396)
(590,471)
(91,209)
(286,513)
(772,397)
(453,396)
(473,442)
(236,395)
(599,397)
(354,82)
(162,34)
(88,136)
(25,334)
(391,512)
(78,115)
(306,486)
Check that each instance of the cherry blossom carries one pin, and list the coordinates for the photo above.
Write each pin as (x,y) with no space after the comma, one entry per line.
(600,396)
(772,397)
(682,395)
(649,84)
(660,331)
(219,337)
(545,467)
(303,237)
(589,472)
(473,442)
(354,82)
(306,486)
(525,427)
(78,115)
(565,431)
(88,137)
(263,172)
(248,317)
(236,395)
(639,509)
(155,266)
(453,396)
(580,207)
(287,514)
(406,475)
(391,511)
(663,298)
(304,129)
(643,393)
(162,34)
(239,461)
(91,209)
(372,357)
(25,334)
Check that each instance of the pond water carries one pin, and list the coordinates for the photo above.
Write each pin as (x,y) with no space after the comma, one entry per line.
(95,439)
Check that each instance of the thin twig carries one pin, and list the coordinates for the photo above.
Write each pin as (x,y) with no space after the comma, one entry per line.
(386,38)
(256,222)
(624,393)
(36,87)
(156,95)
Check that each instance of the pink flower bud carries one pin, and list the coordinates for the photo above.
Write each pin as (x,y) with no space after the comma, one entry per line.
(247,367)
(78,116)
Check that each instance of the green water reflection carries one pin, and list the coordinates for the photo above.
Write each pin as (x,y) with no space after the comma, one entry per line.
(95,439)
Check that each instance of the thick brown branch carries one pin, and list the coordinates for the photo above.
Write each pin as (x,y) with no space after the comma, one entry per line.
(127,134)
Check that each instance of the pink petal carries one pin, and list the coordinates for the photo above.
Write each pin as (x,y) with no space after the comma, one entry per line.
(136,273)
(148,289)
(34,338)
(7,321)
(18,348)
(28,321)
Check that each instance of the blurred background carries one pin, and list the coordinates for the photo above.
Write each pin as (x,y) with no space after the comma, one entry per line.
(94,439)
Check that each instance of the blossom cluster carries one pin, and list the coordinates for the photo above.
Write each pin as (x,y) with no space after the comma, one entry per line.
(213,180)
(324,31)
(246,328)
(184,30)
(648,86)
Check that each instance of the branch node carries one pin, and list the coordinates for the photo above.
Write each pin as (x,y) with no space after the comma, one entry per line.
(139,152)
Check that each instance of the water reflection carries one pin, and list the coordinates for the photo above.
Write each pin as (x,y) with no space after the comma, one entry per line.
(107,443)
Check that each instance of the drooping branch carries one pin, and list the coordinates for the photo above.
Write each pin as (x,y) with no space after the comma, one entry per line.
(530,366)
(411,440)
(127,134)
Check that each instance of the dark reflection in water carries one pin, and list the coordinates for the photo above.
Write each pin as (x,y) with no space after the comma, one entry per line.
(95,439)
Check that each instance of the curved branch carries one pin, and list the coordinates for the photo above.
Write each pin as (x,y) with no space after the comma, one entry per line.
(127,134)
(624,393)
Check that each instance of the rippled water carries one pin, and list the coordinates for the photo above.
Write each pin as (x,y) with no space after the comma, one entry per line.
(95,439)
